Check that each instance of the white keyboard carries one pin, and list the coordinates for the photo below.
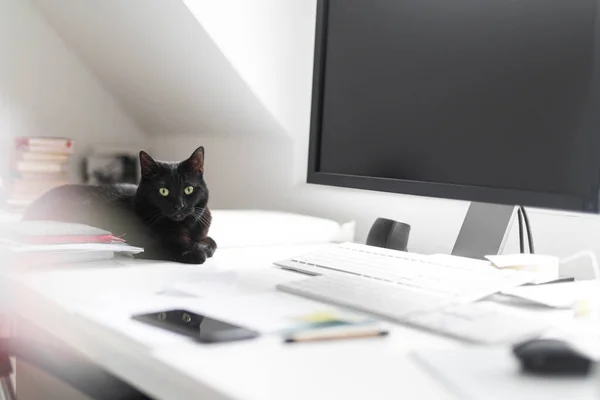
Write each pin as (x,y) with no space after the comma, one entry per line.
(464,282)
(476,322)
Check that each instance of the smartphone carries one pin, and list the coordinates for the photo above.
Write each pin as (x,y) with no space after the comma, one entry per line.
(198,327)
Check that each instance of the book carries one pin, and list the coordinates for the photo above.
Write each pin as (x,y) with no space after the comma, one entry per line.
(48,150)
(22,256)
(41,167)
(52,232)
(55,157)
(45,144)
(45,141)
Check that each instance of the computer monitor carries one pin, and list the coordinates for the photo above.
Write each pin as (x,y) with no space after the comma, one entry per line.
(494,102)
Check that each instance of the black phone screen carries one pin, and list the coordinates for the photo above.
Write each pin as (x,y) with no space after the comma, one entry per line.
(199,327)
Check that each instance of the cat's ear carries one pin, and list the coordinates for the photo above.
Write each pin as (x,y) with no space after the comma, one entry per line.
(148,166)
(196,161)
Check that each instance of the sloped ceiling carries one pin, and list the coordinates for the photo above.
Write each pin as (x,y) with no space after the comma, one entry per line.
(162,65)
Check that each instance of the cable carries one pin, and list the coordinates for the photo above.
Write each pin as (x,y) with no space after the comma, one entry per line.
(521,242)
(529,231)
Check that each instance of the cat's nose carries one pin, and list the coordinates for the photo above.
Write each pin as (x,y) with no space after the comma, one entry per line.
(178,207)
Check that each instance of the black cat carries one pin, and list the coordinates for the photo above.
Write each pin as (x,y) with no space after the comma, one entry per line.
(166,214)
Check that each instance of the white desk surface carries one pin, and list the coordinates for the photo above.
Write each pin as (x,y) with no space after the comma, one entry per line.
(259,369)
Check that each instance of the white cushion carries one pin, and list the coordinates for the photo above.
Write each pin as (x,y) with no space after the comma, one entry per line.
(243,228)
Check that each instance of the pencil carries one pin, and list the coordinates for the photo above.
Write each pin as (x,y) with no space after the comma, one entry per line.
(320,336)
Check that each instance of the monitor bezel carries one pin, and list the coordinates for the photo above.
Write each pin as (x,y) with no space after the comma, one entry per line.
(563,201)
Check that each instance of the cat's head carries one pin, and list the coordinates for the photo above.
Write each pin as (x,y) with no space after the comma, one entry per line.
(177,189)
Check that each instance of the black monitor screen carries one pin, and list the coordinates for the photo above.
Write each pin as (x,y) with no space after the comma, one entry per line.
(492,94)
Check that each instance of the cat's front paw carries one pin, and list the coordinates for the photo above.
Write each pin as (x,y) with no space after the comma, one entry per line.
(210,246)
(196,256)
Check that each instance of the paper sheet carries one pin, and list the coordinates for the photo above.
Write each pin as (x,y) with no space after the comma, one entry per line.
(210,285)
(557,295)
(271,312)
(265,312)
(493,373)
(89,247)
(544,268)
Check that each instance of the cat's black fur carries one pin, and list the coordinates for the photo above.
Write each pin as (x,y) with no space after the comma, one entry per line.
(173,227)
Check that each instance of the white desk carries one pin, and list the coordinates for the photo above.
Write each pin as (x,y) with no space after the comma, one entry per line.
(261,369)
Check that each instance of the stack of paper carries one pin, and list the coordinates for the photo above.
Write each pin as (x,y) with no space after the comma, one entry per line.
(51,242)
(545,268)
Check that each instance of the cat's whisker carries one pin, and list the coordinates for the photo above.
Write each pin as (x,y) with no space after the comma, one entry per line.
(154,219)
(204,218)
(151,219)
(198,218)
(193,215)
(199,211)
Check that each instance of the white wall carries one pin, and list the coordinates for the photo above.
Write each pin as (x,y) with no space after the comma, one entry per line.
(270,44)
(286,27)
(265,61)
(46,90)
(240,172)
(159,62)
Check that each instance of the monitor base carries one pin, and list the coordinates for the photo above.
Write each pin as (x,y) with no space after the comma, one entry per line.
(484,231)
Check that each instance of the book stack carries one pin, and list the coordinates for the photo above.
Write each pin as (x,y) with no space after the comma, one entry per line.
(40,164)
(36,243)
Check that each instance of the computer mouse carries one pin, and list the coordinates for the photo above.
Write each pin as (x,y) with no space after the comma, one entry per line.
(551,356)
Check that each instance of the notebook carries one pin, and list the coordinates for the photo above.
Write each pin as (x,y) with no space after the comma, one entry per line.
(53,232)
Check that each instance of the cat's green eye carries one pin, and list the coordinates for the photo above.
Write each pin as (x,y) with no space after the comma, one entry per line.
(163,192)
(188,190)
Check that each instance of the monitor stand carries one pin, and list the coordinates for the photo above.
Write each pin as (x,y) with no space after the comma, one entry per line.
(484,231)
